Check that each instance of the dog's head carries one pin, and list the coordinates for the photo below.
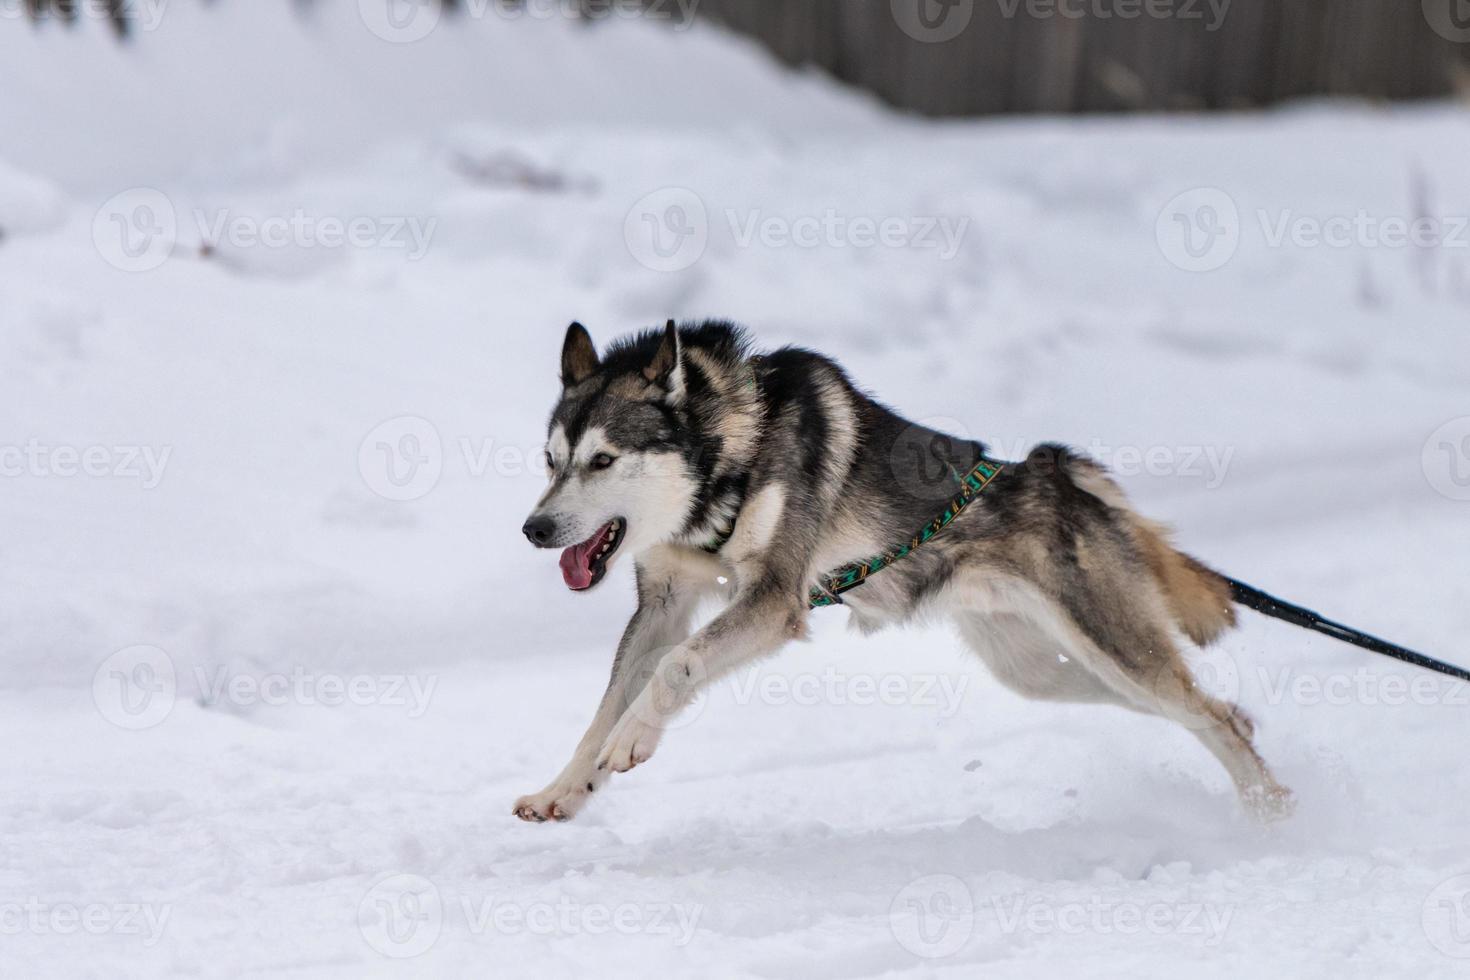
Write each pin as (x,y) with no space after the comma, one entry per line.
(617,454)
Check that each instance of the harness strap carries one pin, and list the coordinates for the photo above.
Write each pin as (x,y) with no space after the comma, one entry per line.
(722,536)
(830,587)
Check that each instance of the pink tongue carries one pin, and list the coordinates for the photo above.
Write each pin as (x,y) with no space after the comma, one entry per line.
(576,570)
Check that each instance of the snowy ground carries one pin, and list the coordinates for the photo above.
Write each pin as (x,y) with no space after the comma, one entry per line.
(216,531)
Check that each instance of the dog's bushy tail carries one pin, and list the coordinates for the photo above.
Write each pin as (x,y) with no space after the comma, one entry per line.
(1198,597)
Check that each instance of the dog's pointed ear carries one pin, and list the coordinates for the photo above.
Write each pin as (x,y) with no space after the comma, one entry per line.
(578,356)
(667,368)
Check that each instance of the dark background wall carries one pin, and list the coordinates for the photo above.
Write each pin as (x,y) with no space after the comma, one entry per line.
(1015,56)
(979,57)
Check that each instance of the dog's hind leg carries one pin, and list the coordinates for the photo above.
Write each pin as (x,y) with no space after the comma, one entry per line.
(1130,601)
(1141,662)
(1040,650)
(1225,730)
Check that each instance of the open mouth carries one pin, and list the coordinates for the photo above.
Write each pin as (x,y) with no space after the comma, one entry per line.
(583,565)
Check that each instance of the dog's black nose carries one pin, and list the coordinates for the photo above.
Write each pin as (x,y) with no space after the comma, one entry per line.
(539,530)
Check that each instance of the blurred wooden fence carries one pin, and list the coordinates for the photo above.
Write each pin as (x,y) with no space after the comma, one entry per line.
(979,57)
(1104,55)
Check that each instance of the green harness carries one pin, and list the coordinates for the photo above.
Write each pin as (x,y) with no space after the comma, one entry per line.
(851,575)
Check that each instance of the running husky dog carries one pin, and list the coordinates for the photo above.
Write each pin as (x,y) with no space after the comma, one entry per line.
(746,477)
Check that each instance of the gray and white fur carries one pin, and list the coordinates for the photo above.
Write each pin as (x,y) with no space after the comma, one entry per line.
(675,438)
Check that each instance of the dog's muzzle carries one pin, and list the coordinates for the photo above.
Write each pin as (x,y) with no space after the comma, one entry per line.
(539,531)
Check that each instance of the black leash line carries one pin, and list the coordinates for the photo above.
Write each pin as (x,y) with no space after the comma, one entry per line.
(1268,605)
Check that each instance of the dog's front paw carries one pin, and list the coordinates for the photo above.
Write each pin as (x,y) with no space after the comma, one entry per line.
(632,741)
(557,802)
(1269,802)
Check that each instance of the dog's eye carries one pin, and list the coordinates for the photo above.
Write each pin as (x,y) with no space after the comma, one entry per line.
(601,461)
(550,463)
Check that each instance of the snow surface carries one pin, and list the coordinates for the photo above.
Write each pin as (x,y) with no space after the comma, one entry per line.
(854,808)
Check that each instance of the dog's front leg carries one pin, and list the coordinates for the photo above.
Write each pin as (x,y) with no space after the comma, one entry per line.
(667,597)
(758,623)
